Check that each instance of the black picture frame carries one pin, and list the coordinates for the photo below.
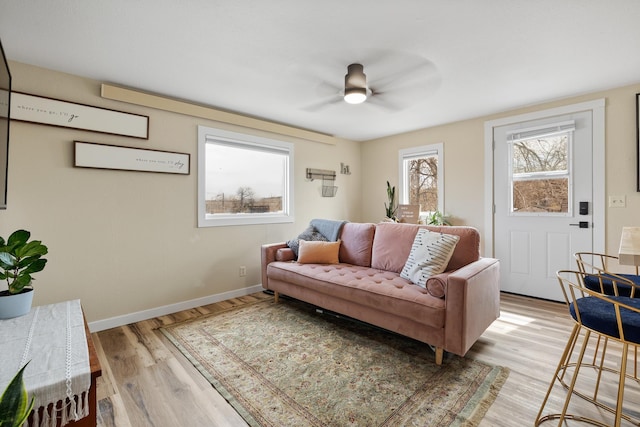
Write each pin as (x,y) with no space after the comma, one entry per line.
(638,142)
(5,119)
(116,157)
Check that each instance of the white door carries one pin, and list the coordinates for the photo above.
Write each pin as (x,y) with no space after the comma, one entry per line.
(542,178)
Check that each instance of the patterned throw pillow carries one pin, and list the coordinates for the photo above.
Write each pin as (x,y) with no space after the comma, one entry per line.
(429,256)
(309,234)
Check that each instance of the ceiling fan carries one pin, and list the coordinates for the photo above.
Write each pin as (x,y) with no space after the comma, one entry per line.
(389,89)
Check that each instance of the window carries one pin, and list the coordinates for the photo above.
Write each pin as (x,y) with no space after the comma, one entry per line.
(422,178)
(243,179)
(540,170)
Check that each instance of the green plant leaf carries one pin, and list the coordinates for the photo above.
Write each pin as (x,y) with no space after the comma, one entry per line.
(26,262)
(7,260)
(18,237)
(14,402)
(37,264)
(22,281)
(31,249)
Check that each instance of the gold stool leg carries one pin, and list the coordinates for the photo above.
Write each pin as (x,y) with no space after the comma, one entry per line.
(601,366)
(562,366)
(572,386)
(635,364)
(623,376)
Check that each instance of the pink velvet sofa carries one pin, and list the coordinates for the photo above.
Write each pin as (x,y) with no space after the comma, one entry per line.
(449,314)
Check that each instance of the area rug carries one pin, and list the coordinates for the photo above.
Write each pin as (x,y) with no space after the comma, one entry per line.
(285,364)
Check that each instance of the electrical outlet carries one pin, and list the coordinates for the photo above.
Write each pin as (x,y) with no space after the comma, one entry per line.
(617,202)
(243,271)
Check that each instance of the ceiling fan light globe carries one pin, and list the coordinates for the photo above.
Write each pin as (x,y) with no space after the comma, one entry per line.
(355,95)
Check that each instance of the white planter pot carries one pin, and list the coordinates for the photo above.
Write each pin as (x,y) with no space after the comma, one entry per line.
(16,305)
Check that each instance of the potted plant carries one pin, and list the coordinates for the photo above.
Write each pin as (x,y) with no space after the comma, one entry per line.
(437,218)
(14,402)
(19,260)
(392,207)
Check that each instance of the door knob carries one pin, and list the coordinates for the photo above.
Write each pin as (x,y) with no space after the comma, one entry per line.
(582,224)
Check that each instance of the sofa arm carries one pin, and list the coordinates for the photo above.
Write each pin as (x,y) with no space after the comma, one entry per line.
(473,303)
(268,255)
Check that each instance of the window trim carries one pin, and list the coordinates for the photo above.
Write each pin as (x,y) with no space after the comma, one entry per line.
(423,150)
(206,135)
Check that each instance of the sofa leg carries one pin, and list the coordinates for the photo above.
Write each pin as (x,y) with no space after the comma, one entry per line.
(276,297)
(439,355)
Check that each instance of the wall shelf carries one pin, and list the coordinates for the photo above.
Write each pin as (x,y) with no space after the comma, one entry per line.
(328,180)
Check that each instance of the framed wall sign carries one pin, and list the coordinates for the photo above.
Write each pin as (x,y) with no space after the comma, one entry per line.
(103,156)
(54,112)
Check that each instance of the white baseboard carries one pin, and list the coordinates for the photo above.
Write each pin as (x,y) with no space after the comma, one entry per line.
(114,322)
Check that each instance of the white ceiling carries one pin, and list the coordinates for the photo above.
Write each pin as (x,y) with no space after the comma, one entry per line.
(437,61)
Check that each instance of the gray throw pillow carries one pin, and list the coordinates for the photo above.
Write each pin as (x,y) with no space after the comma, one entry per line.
(310,234)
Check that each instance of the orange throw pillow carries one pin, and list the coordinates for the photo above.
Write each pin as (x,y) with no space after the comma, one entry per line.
(315,252)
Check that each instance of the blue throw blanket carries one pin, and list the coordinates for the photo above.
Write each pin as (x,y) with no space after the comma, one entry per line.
(328,228)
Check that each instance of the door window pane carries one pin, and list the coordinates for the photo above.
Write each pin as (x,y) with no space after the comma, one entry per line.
(540,175)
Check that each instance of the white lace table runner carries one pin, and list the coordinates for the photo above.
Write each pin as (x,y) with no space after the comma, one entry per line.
(52,339)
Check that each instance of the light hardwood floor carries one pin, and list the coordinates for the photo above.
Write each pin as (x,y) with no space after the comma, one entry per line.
(147,382)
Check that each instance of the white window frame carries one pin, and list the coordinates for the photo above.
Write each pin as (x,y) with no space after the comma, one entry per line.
(211,135)
(413,152)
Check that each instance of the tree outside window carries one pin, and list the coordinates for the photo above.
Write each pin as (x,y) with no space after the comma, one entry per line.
(540,174)
(421,178)
(423,182)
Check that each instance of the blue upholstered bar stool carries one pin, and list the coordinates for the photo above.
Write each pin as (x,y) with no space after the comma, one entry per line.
(613,317)
(591,262)
(604,278)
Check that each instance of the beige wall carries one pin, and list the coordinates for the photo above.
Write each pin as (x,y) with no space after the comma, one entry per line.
(464,159)
(125,242)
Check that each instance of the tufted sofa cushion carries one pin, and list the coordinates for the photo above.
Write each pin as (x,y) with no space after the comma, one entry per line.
(368,286)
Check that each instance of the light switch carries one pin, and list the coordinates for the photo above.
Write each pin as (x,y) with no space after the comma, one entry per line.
(617,202)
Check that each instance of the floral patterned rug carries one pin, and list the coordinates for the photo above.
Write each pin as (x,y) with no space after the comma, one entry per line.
(285,364)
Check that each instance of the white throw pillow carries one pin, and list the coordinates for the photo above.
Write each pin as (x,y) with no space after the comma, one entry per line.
(430,254)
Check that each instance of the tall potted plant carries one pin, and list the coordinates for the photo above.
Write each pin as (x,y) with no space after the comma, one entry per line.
(19,260)
(392,207)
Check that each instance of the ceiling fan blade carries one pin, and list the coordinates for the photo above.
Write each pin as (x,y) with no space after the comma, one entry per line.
(386,102)
(325,94)
(323,103)
(424,72)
